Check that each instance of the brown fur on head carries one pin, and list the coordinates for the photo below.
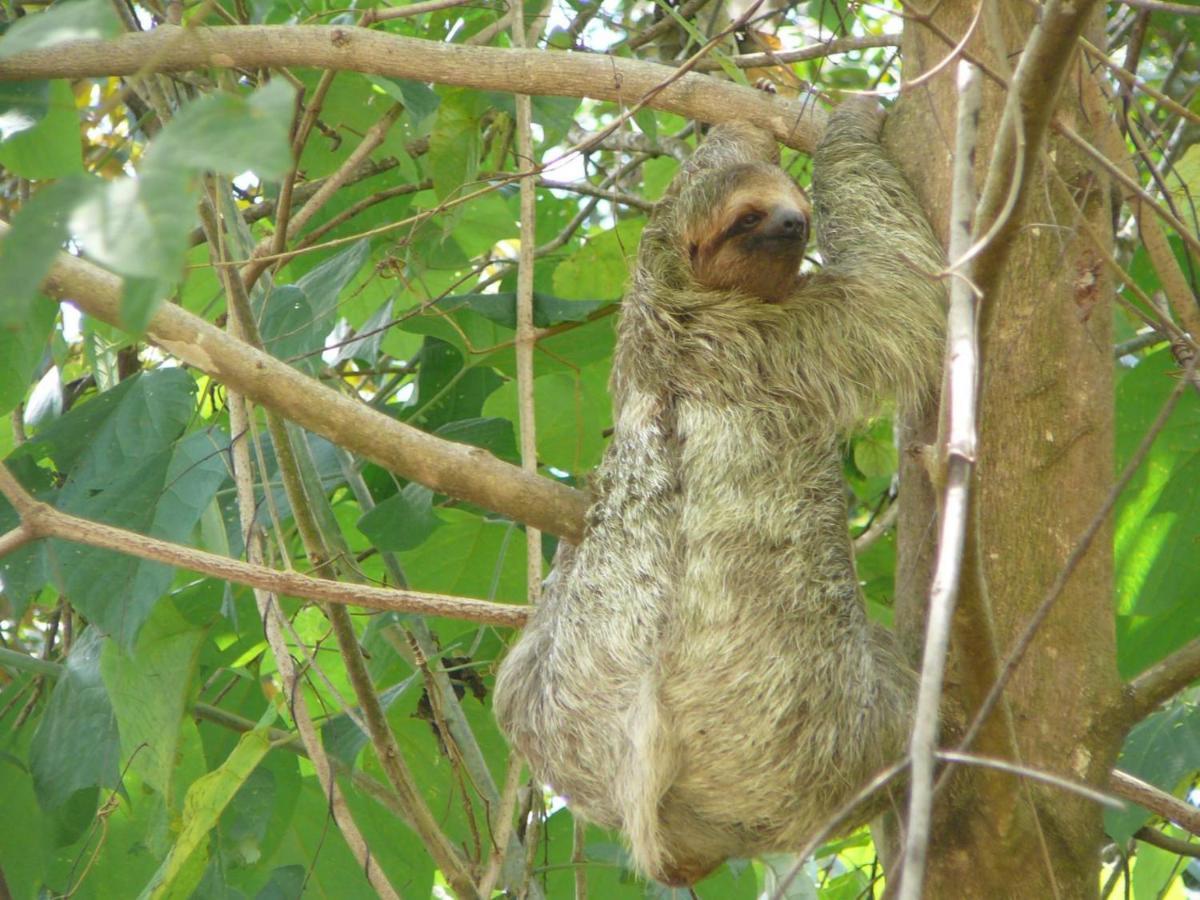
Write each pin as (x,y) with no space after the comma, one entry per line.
(750,232)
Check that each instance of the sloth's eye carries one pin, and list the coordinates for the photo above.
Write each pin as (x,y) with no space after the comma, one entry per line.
(749,220)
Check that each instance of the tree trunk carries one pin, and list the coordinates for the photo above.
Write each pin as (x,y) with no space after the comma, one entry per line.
(1044,470)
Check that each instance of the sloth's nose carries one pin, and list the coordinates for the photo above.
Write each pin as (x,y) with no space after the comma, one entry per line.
(787,223)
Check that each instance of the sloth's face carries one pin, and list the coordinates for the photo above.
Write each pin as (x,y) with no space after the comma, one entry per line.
(754,238)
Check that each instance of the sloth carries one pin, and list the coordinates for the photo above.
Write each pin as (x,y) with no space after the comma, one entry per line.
(701,672)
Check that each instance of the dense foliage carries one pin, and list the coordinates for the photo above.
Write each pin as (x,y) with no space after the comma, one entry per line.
(148,738)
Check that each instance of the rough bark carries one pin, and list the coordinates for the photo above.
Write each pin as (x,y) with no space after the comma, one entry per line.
(1045,468)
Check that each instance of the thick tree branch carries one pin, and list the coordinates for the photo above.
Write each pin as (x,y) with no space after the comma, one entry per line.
(39,520)
(171,49)
(468,473)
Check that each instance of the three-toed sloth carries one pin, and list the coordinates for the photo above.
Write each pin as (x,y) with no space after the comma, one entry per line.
(701,672)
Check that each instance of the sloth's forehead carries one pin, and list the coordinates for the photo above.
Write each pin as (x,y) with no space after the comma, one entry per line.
(749,184)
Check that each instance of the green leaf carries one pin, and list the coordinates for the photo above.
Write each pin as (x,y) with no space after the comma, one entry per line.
(78,717)
(74,20)
(229,133)
(206,800)
(646,121)
(875,452)
(22,105)
(121,462)
(1154,871)
(419,99)
(38,232)
(152,721)
(446,390)
(501,308)
(296,318)
(454,143)
(325,283)
(341,735)
(657,174)
(23,346)
(556,115)
(49,149)
(138,227)
(402,521)
(471,557)
(832,14)
(1157,567)
(600,267)
(484,221)
(573,410)
(494,435)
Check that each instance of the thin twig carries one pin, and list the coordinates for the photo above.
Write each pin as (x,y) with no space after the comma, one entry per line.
(376,14)
(270,249)
(526,335)
(1004,765)
(1165,842)
(960,398)
(297,700)
(803,54)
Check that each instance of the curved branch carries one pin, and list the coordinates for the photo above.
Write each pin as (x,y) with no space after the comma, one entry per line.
(170,48)
(1163,681)
(40,520)
(1158,801)
(468,473)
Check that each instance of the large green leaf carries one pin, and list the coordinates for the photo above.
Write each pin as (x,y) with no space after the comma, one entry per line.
(207,798)
(454,142)
(121,462)
(600,268)
(446,391)
(38,232)
(471,557)
(156,738)
(45,145)
(229,133)
(1157,566)
(23,346)
(573,412)
(403,520)
(76,746)
(73,20)
(296,318)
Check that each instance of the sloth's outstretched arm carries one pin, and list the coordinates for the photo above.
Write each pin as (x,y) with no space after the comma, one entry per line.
(870,324)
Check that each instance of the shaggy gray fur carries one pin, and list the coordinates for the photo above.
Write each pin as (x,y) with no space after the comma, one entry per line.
(701,672)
